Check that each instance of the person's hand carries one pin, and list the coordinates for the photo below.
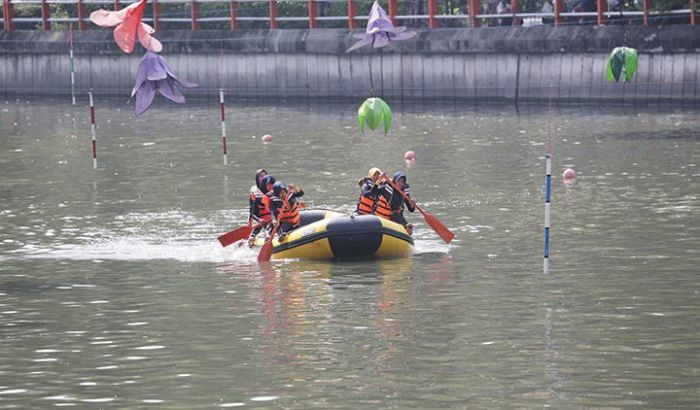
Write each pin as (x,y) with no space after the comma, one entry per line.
(275,223)
(293,188)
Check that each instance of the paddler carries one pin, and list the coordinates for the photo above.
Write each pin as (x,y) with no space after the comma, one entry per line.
(289,218)
(391,204)
(260,204)
(370,189)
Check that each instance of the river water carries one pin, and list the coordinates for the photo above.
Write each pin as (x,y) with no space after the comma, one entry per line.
(115,294)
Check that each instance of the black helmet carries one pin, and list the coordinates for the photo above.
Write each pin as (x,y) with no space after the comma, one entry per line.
(278,187)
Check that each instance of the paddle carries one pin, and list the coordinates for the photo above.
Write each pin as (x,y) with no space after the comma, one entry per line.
(237,234)
(431,220)
(266,250)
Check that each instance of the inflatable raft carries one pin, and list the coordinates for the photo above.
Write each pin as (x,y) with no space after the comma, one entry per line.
(332,235)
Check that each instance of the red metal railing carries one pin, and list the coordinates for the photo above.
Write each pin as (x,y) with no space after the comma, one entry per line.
(234,17)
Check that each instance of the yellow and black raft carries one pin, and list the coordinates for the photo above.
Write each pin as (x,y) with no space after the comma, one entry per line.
(332,235)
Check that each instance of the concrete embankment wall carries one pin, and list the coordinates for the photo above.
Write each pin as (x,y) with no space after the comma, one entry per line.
(567,63)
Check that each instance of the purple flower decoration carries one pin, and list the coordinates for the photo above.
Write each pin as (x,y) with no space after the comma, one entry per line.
(380,31)
(155,74)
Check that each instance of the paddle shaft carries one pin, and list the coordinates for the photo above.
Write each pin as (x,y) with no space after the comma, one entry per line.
(440,228)
(403,194)
(266,250)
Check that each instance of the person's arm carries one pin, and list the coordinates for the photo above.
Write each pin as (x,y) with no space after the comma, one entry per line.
(386,192)
(254,205)
(409,201)
(275,208)
(251,207)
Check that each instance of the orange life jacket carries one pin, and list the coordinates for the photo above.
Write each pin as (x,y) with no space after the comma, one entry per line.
(365,205)
(261,210)
(383,208)
(265,207)
(291,215)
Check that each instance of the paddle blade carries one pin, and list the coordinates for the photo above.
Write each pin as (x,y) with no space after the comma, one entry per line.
(235,235)
(266,252)
(439,227)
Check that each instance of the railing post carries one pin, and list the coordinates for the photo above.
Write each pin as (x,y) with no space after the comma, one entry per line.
(273,14)
(514,9)
(7,12)
(234,15)
(45,15)
(194,14)
(600,5)
(393,9)
(692,12)
(156,15)
(82,11)
(432,11)
(474,10)
(558,8)
(117,6)
(645,5)
(352,12)
(313,11)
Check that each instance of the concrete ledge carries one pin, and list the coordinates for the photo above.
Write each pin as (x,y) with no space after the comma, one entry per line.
(499,40)
(447,64)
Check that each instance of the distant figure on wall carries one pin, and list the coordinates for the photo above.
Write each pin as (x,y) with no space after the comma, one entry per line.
(547,7)
(503,7)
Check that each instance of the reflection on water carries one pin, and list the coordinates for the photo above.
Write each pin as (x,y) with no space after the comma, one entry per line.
(115,294)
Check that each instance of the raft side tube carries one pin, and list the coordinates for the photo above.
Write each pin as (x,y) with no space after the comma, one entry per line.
(345,238)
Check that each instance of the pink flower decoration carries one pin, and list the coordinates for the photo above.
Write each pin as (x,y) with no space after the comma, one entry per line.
(129,26)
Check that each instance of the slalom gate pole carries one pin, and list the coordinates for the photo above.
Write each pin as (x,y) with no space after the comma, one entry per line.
(93,132)
(223,124)
(72,63)
(548,186)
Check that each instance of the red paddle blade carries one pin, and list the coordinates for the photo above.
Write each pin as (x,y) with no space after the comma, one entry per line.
(439,227)
(266,252)
(235,235)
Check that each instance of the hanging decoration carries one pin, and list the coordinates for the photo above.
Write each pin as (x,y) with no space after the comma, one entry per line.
(153,74)
(380,30)
(129,27)
(622,60)
(373,112)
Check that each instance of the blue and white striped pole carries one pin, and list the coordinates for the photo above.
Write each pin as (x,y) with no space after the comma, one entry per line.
(548,183)
(547,204)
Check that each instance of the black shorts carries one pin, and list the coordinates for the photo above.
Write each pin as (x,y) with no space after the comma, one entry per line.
(399,218)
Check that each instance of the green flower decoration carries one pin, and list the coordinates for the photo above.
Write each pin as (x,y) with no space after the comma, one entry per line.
(373,112)
(622,59)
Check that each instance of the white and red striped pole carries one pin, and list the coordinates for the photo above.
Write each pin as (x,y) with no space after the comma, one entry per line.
(93,132)
(223,123)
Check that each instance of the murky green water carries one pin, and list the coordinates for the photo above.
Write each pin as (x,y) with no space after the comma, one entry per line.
(115,294)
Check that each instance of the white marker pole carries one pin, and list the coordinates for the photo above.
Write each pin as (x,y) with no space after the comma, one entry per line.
(548,185)
(223,124)
(72,64)
(93,132)
(547,205)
